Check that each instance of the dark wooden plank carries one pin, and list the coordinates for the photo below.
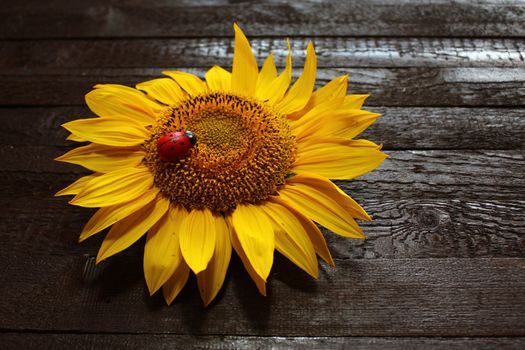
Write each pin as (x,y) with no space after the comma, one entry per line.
(388,87)
(399,128)
(35,19)
(404,228)
(424,203)
(400,297)
(447,174)
(22,56)
(54,341)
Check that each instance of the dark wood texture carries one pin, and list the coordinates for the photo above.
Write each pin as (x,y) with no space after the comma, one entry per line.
(443,265)
(433,297)
(398,128)
(135,18)
(501,87)
(53,341)
(33,55)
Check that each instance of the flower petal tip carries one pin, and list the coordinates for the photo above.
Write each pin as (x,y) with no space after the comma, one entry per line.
(60,193)
(153,289)
(100,258)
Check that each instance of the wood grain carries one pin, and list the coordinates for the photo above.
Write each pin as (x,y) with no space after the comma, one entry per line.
(424,203)
(388,87)
(35,19)
(399,127)
(399,297)
(407,228)
(406,174)
(19,57)
(54,341)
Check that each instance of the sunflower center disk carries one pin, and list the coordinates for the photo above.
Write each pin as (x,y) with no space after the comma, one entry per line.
(244,151)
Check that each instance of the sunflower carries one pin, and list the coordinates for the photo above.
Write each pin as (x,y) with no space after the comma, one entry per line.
(241,159)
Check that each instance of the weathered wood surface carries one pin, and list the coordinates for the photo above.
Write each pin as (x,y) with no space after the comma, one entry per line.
(406,174)
(443,266)
(54,341)
(21,57)
(398,128)
(403,228)
(419,208)
(504,87)
(398,297)
(116,18)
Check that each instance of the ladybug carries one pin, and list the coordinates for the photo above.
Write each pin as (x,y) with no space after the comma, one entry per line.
(175,145)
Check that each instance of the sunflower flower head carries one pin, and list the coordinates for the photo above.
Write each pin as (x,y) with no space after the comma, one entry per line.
(242,159)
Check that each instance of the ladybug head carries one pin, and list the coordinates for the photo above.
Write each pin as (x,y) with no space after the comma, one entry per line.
(191,136)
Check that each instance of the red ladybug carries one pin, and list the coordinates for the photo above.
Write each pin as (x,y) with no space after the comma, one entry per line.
(175,145)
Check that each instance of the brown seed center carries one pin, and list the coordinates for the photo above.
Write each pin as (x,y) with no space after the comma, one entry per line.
(244,151)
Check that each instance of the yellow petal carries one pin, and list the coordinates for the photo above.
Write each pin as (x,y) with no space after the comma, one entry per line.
(321,206)
(291,239)
(176,282)
(76,186)
(128,230)
(267,75)
(197,238)
(244,69)
(190,83)
(315,235)
(259,282)
(351,124)
(274,91)
(210,280)
(113,188)
(255,233)
(164,90)
(162,253)
(337,159)
(75,138)
(218,79)
(361,143)
(346,123)
(358,123)
(104,159)
(107,216)
(322,185)
(315,116)
(335,89)
(114,100)
(354,101)
(299,94)
(111,131)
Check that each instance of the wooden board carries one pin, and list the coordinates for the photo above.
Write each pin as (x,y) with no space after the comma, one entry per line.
(20,57)
(362,297)
(398,128)
(419,209)
(502,87)
(36,19)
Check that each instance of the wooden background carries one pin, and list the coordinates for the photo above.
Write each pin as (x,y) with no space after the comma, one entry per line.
(444,263)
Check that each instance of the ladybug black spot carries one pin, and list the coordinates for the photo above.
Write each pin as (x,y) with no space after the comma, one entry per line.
(172,148)
(182,143)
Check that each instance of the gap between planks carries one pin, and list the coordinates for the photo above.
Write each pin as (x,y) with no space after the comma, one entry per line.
(161,341)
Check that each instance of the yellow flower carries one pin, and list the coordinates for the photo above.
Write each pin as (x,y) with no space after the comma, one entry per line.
(256,179)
